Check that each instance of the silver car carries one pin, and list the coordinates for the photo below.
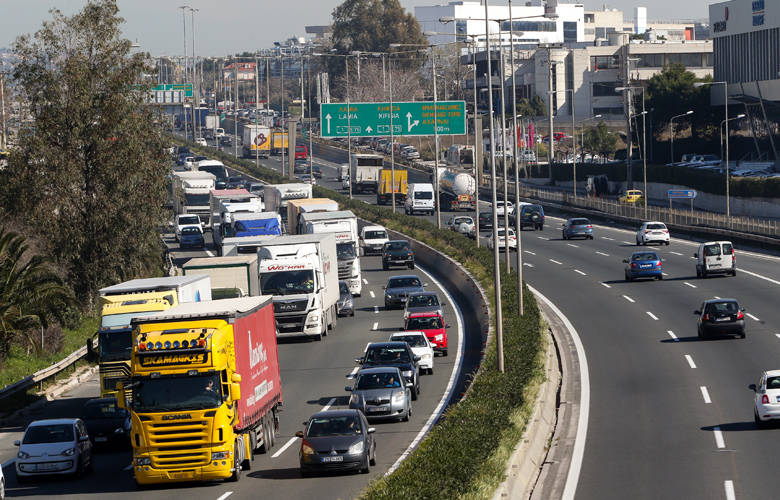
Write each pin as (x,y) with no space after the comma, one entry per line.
(423,302)
(381,393)
(346,304)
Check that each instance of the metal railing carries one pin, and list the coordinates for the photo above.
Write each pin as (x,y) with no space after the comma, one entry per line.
(41,375)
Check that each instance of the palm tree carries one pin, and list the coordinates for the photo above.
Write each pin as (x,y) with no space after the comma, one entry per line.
(31,293)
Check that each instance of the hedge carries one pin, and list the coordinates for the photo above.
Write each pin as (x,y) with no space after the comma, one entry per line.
(465,454)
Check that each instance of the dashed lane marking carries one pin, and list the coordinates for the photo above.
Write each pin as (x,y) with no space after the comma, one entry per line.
(529,252)
(225,495)
(718,437)
(371,293)
(689,284)
(671,334)
(729,487)
(652,315)
(602,253)
(376,309)
(580,272)
(629,299)
(573,245)
(555,261)
(375,326)
(752,317)
(689,359)
(705,394)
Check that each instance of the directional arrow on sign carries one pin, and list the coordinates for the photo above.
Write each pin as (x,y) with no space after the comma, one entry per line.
(369,129)
(327,118)
(409,123)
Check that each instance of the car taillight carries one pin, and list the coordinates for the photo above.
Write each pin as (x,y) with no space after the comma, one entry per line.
(666,231)
(764,399)
(589,226)
(646,231)
(740,315)
(706,317)
(658,263)
(633,265)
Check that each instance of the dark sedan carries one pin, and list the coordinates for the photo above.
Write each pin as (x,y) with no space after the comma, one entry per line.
(107,424)
(337,440)
(192,237)
(399,288)
(397,253)
(397,354)
(719,317)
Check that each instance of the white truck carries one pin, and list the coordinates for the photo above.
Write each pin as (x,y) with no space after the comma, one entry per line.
(366,169)
(229,196)
(457,189)
(460,156)
(277,195)
(300,271)
(191,195)
(257,141)
(343,224)
(226,208)
(296,208)
(249,225)
(234,276)
(243,245)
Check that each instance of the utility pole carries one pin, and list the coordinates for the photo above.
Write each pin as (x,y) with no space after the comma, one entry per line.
(196,88)
(477,155)
(284,121)
(435,143)
(349,131)
(257,108)
(311,121)
(2,113)
(627,100)
(392,149)
(184,73)
(551,155)
(518,227)
(235,109)
(503,152)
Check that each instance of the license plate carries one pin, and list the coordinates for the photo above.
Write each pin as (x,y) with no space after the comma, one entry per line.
(375,410)
(645,266)
(333,459)
(45,466)
(184,475)
(723,319)
(101,439)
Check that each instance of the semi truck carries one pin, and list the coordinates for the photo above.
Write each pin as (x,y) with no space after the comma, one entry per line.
(206,390)
(460,156)
(388,184)
(301,272)
(243,245)
(276,196)
(218,169)
(297,207)
(122,302)
(457,189)
(343,224)
(280,141)
(365,172)
(238,196)
(227,209)
(234,276)
(246,225)
(257,141)
(191,195)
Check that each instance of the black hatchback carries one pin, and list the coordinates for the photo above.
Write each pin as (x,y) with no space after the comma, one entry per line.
(397,253)
(107,424)
(720,317)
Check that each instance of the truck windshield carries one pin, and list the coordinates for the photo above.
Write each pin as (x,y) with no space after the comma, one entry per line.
(177,393)
(375,235)
(345,251)
(287,282)
(192,200)
(219,171)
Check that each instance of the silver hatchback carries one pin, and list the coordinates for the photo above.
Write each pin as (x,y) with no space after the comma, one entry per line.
(381,393)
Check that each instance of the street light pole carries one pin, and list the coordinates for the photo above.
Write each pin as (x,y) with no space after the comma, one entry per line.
(515,147)
(503,148)
(573,145)
(184,73)
(671,131)
(477,144)
(392,135)
(196,87)
(435,142)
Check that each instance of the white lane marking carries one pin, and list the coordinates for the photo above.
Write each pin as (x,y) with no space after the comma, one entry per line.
(671,334)
(718,437)
(573,245)
(758,276)
(605,285)
(629,298)
(447,396)
(652,315)
(283,448)
(752,317)
(607,238)
(528,264)
(626,242)
(330,403)
(128,467)
(371,293)
(689,284)
(694,258)
(582,423)
(665,274)
(689,359)
(209,253)
(376,309)
(529,252)
(675,253)
(365,281)
(7,463)
(705,394)
(602,253)
(580,272)
(225,495)
(555,261)
(543,238)
(375,325)
(729,487)
(777,335)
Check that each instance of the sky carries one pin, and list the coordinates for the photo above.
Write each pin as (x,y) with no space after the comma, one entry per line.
(230,26)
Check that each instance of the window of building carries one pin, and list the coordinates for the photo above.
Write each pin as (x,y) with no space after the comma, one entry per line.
(569,31)
(460,30)
(651,60)
(604,62)
(608,111)
(530,26)
(590,18)
(710,59)
(689,60)
(602,89)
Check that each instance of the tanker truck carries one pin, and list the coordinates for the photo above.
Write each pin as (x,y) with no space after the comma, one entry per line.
(457,189)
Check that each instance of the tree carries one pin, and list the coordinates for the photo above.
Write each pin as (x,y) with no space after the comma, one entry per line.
(531,107)
(600,140)
(90,173)
(373,86)
(672,92)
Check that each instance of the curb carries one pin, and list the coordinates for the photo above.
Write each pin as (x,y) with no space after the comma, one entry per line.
(525,464)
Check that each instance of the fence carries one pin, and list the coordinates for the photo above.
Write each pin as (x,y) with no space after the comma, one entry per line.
(41,375)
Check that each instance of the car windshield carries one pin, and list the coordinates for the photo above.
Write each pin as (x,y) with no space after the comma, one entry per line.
(375,235)
(177,393)
(656,226)
(423,301)
(103,409)
(343,288)
(404,282)
(580,222)
(346,425)
(530,209)
(712,250)
(501,233)
(722,308)
(412,340)
(287,282)
(387,355)
(345,251)
(424,323)
(378,380)
(644,256)
(190,231)
(397,245)
(192,200)
(42,434)
(190,219)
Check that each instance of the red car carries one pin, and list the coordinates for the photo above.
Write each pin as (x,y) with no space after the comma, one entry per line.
(301,152)
(434,327)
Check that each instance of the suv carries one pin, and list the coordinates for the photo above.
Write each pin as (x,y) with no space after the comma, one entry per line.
(533,216)
(397,253)
(715,257)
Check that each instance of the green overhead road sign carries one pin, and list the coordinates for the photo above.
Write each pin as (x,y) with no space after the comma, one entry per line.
(416,118)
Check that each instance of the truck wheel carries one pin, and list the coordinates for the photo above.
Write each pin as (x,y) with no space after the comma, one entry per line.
(266,435)
(236,466)
(333,316)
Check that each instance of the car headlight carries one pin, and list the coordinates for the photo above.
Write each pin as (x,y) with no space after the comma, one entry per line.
(356,448)
(220,455)
(426,356)
(68,452)
(398,397)
(143,461)
(314,317)
(119,430)
(306,449)
(23,455)
(439,337)
(407,373)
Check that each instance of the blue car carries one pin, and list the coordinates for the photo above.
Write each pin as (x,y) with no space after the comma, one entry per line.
(577,228)
(644,265)
(192,237)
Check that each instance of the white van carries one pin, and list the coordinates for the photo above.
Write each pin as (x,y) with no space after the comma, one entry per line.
(715,257)
(420,198)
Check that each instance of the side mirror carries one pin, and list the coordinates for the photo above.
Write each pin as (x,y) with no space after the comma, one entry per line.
(447,326)
(235,391)
(384,287)
(742,309)
(348,389)
(91,354)
(121,401)
(696,312)
(753,387)
(299,434)
(625,261)
(359,361)
(371,430)
(236,377)
(17,443)
(696,254)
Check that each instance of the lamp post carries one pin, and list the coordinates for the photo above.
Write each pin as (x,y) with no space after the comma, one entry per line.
(644,139)
(726,122)
(671,132)
(196,87)
(573,145)
(720,133)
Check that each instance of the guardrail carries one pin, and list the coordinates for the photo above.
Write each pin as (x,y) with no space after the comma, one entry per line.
(41,375)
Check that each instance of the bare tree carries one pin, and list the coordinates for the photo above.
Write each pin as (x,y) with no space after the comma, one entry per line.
(374,84)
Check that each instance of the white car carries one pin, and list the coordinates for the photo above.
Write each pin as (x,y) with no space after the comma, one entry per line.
(186,220)
(307,179)
(457,223)
(766,403)
(200,141)
(505,205)
(2,484)
(53,447)
(189,162)
(373,239)
(502,243)
(420,345)
(653,232)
